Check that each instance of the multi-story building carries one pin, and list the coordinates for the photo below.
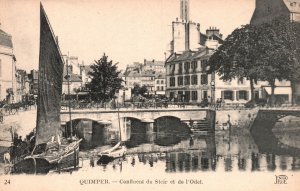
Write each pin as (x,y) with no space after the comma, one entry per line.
(160,84)
(7,68)
(22,86)
(33,82)
(73,64)
(186,69)
(153,65)
(132,78)
(186,78)
(267,10)
(147,80)
(72,84)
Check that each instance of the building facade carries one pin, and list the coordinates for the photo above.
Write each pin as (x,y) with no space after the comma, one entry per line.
(22,86)
(160,84)
(154,66)
(267,10)
(7,68)
(33,82)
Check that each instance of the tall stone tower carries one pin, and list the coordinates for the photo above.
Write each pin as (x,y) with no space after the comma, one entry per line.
(184,10)
(185,33)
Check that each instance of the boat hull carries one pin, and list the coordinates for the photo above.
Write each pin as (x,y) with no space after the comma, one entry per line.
(42,164)
(70,160)
(111,154)
(32,165)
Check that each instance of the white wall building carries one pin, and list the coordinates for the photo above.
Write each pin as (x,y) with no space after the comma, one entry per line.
(7,68)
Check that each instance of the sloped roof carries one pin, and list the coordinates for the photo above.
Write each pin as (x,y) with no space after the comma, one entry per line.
(74,78)
(153,62)
(293,5)
(148,73)
(160,75)
(185,55)
(203,39)
(133,74)
(172,57)
(5,39)
(199,53)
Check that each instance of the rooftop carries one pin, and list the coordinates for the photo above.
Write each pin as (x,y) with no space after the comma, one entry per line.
(5,39)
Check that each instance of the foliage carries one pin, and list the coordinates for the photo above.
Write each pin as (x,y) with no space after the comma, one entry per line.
(105,80)
(265,52)
(138,90)
(236,57)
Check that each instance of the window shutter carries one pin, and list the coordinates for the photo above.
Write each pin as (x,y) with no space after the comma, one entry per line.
(0,68)
(232,93)
(222,95)
(247,95)
(237,95)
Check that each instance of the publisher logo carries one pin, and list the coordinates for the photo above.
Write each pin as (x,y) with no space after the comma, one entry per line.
(281,179)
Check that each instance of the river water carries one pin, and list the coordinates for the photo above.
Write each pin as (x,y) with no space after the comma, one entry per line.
(230,150)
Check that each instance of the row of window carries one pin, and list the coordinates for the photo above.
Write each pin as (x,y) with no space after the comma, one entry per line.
(186,96)
(160,82)
(185,67)
(160,88)
(230,95)
(189,80)
(226,95)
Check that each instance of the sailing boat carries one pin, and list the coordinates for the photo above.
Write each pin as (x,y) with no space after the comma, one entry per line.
(117,151)
(50,151)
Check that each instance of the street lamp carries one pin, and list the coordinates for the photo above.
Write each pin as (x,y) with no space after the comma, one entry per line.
(212,85)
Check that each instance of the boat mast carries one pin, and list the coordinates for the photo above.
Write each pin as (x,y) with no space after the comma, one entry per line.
(119,124)
(69,100)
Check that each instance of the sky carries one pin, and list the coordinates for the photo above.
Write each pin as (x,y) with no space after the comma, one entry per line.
(126,31)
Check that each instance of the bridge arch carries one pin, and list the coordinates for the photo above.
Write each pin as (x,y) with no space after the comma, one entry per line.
(166,116)
(92,132)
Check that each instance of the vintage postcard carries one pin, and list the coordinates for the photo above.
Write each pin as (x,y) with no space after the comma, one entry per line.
(149,94)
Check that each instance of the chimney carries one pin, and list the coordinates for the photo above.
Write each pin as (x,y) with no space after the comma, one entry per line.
(56,39)
(212,31)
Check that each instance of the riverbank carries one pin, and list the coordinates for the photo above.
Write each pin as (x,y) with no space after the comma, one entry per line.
(22,122)
(237,118)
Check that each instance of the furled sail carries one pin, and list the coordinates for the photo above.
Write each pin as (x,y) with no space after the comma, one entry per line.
(50,83)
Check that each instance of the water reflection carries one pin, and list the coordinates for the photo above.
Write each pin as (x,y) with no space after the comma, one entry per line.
(223,151)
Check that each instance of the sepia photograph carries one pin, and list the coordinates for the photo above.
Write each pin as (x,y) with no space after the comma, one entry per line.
(149,95)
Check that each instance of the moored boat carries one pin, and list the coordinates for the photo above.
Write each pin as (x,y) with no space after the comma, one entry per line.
(119,150)
(50,150)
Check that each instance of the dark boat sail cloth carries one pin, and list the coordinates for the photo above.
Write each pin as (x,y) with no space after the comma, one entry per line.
(50,83)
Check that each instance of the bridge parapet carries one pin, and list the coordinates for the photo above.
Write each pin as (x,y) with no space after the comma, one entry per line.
(146,115)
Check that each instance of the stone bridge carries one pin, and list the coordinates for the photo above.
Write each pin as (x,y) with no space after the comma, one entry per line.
(262,133)
(144,115)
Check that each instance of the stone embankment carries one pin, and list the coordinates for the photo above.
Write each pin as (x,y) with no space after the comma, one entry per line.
(237,118)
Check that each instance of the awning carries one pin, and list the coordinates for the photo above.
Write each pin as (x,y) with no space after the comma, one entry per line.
(279,90)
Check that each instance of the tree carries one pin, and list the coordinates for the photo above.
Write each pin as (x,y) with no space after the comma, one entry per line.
(138,90)
(289,34)
(265,52)
(235,58)
(105,80)
(274,59)
(76,90)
